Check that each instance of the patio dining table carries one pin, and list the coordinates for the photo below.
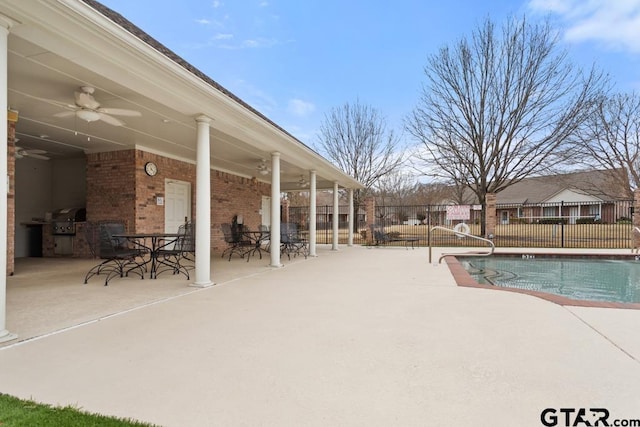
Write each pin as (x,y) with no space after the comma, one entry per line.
(257,237)
(151,242)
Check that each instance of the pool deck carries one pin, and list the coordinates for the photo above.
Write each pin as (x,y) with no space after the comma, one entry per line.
(355,337)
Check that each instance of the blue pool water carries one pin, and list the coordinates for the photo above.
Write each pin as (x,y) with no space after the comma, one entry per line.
(582,279)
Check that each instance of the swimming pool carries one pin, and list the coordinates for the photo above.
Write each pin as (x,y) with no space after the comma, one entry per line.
(590,279)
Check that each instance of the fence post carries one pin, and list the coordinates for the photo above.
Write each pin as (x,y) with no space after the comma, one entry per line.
(285,210)
(370,212)
(635,219)
(490,215)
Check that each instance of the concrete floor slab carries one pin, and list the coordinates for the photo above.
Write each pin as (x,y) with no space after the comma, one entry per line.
(353,337)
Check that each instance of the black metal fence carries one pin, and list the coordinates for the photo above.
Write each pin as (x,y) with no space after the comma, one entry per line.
(576,224)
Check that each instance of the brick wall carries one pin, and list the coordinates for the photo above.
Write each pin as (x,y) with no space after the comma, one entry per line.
(111,187)
(11,200)
(118,188)
(234,195)
(149,216)
(491,215)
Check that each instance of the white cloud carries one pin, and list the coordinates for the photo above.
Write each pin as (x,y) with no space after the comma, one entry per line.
(300,108)
(221,36)
(612,23)
(216,4)
(203,21)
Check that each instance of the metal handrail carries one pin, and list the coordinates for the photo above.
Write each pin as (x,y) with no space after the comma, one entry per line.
(633,248)
(459,233)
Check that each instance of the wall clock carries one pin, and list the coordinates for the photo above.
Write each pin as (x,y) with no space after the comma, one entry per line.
(150,168)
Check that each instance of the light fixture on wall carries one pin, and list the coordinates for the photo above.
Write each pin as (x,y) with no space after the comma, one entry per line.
(263,169)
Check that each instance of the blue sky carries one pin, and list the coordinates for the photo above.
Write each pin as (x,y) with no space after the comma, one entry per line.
(294,60)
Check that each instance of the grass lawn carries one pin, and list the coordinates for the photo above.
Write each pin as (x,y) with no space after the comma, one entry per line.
(16,412)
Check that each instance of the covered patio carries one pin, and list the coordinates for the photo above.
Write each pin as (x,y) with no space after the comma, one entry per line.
(352,337)
(98,115)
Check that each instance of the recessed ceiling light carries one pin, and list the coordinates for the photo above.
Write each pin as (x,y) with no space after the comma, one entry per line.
(44,136)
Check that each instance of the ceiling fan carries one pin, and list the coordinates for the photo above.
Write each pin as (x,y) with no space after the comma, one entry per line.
(87,108)
(28,152)
(263,169)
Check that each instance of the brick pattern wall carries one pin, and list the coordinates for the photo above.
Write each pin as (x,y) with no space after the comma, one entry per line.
(11,201)
(149,216)
(119,189)
(492,219)
(635,236)
(234,195)
(111,187)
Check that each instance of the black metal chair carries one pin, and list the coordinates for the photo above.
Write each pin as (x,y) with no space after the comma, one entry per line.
(171,255)
(119,259)
(291,242)
(236,243)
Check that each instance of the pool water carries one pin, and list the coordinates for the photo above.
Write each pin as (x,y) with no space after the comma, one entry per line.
(582,279)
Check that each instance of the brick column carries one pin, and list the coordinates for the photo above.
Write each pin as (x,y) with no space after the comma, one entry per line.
(285,210)
(635,235)
(12,119)
(370,212)
(490,215)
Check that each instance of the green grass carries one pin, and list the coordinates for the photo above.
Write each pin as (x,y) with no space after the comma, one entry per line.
(16,412)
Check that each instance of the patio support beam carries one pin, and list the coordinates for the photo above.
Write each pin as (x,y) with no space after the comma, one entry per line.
(5,335)
(312,213)
(275,210)
(336,213)
(351,218)
(203,204)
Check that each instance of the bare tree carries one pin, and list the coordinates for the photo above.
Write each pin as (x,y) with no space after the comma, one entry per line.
(396,188)
(498,107)
(610,139)
(355,137)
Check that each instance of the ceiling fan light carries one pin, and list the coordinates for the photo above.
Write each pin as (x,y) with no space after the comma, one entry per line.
(88,115)
(264,171)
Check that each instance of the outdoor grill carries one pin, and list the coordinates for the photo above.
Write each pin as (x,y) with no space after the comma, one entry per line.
(63,221)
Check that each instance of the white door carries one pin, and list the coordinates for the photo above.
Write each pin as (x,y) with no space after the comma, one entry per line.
(266,211)
(177,204)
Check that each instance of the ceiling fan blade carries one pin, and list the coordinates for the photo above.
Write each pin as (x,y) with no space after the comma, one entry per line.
(120,112)
(65,114)
(33,151)
(37,156)
(111,120)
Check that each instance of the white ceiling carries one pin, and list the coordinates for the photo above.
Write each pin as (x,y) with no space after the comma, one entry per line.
(57,46)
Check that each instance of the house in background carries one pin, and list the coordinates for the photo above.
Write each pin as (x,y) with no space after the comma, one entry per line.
(573,197)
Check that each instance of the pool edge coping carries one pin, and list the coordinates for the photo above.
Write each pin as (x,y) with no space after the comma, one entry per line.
(464,279)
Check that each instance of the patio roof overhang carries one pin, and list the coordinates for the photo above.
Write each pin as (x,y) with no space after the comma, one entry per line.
(57,46)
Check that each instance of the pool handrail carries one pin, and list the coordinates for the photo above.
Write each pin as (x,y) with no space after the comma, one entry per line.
(460,233)
(633,247)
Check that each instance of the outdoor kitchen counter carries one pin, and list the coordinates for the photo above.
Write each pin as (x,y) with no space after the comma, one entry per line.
(79,244)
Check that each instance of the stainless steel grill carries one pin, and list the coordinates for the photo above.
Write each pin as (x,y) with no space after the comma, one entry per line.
(63,221)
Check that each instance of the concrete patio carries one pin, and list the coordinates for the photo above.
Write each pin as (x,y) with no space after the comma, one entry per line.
(354,337)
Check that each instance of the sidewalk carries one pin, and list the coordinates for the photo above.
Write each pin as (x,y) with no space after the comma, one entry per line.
(358,337)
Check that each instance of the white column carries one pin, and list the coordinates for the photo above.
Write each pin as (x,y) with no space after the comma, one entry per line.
(351,218)
(336,214)
(312,213)
(275,210)
(5,335)
(203,204)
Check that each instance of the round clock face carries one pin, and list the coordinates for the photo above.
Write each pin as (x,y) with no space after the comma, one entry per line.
(150,168)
